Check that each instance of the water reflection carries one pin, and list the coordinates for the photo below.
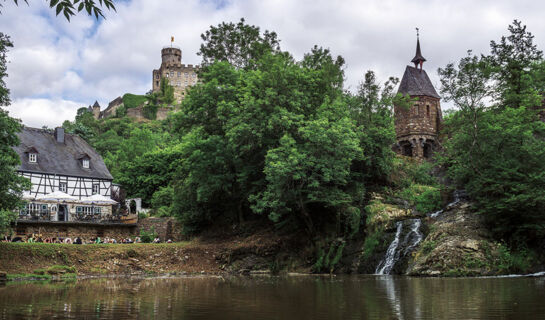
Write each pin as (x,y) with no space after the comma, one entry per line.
(305,297)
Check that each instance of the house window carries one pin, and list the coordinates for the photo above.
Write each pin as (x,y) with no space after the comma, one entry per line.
(85,163)
(32,157)
(96,188)
(166,74)
(185,74)
(63,186)
(416,109)
(156,76)
(86,210)
(179,73)
(172,74)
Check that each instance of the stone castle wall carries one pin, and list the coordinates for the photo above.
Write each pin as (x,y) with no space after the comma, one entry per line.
(166,228)
(138,113)
(424,117)
(179,75)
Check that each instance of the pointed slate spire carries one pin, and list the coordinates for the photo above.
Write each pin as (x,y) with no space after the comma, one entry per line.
(96,104)
(418,58)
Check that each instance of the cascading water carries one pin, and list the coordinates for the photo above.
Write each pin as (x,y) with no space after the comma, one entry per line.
(458,195)
(386,265)
(398,249)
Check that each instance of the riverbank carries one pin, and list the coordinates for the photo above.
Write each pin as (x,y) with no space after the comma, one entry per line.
(260,251)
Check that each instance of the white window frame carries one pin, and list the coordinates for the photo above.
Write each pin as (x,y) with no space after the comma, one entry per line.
(85,163)
(63,186)
(32,157)
(95,189)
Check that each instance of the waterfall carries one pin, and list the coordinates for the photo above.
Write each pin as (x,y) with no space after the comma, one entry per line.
(458,195)
(410,241)
(386,265)
(414,237)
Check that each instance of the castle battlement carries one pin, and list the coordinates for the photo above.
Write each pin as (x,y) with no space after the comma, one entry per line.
(179,75)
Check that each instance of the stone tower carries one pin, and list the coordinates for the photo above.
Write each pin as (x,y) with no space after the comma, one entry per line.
(417,127)
(179,75)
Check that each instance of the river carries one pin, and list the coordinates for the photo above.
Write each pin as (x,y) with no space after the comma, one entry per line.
(284,297)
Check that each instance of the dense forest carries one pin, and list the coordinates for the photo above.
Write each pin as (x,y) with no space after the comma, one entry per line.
(264,136)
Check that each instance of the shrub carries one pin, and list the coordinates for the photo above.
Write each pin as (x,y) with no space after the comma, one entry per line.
(132,100)
(148,236)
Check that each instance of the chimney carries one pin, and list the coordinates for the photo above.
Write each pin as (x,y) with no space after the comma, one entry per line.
(59,134)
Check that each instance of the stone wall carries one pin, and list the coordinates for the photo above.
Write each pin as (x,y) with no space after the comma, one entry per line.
(417,127)
(138,113)
(72,230)
(165,227)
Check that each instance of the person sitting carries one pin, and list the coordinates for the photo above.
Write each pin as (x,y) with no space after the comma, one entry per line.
(169,241)
(97,240)
(68,240)
(156,240)
(77,241)
(17,239)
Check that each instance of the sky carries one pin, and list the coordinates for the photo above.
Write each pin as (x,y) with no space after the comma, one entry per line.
(58,66)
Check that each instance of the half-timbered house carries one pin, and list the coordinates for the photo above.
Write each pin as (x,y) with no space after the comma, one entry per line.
(64,164)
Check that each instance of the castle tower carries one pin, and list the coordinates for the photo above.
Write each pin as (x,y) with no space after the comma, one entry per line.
(178,75)
(418,126)
(171,55)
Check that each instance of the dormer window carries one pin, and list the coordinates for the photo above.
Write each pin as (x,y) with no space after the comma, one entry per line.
(32,157)
(85,163)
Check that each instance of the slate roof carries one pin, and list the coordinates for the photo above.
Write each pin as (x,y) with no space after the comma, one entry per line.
(415,82)
(59,158)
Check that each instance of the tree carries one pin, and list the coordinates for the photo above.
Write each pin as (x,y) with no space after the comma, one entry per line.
(239,44)
(69,8)
(512,60)
(11,184)
(497,152)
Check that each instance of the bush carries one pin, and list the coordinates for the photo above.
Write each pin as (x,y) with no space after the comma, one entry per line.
(371,243)
(150,111)
(424,198)
(132,100)
(148,236)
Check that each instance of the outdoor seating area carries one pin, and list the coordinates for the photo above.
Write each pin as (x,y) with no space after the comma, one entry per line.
(38,238)
(62,207)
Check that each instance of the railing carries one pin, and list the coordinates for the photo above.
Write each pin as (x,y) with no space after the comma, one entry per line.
(78,217)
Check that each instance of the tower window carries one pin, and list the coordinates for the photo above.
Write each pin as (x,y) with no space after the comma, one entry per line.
(428,110)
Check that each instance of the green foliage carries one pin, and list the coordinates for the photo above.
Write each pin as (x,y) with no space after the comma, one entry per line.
(150,111)
(407,171)
(238,44)
(327,262)
(12,184)
(497,153)
(372,242)
(133,100)
(428,246)
(425,199)
(148,236)
(70,8)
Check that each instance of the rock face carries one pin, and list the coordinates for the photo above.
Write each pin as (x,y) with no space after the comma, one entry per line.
(458,244)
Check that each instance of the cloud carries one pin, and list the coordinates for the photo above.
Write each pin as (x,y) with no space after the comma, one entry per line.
(86,60)
(44,112)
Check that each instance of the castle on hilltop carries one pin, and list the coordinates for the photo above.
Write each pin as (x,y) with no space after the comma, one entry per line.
(417,127)
(179,75)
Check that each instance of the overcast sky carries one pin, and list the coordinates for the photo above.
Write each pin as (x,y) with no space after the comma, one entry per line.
(57,67)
